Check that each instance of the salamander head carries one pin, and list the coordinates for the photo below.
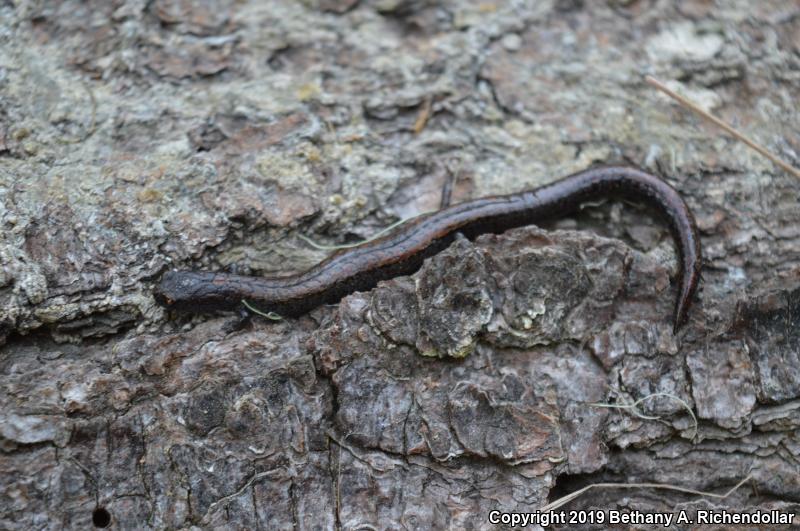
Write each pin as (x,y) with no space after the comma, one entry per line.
(190,291)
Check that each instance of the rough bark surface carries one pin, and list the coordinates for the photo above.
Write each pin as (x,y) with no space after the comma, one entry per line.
(138,136)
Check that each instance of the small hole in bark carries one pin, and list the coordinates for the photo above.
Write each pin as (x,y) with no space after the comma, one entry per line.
(101,517)
(567,484)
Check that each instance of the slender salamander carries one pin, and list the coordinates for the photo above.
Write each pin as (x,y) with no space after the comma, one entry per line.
(402,251)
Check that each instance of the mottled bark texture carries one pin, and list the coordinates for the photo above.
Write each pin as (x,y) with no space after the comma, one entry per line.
(138,136)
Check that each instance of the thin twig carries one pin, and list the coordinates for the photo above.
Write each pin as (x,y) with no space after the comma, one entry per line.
(569,497)
(634,405)
(719,123)
(375,236)
(272,316)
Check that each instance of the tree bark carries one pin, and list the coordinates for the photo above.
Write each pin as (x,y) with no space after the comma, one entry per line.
(136,137)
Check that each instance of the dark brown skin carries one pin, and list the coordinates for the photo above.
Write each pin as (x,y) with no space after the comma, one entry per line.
(403,251)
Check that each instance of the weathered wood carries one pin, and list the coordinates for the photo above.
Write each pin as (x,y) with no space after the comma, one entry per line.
(139,136)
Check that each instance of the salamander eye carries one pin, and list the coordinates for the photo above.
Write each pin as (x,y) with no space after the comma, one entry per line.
(163,300)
